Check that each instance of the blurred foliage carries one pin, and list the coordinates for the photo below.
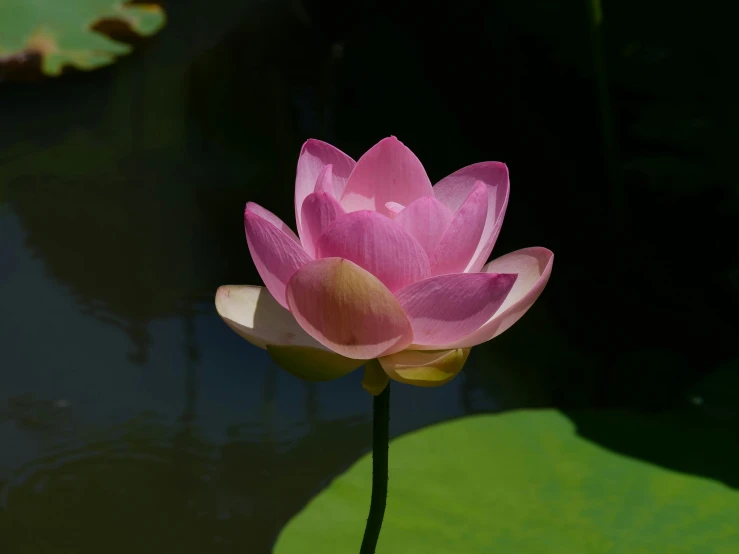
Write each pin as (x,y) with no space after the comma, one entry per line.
(519,482)
(66,33)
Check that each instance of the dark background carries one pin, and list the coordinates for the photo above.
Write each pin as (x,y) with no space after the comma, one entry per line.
(131,417)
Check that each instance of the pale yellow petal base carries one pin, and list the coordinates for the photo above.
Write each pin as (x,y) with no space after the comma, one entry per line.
(427,368)
(375,379)
(312,364)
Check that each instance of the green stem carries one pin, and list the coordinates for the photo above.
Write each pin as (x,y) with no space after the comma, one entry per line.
(380,436)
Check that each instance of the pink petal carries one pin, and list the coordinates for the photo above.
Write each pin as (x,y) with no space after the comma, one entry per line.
(325,180)
(347,309)
(320,210)
(445,308)
(387,172)
(454,189)
(378,245)
(533,266)
(426,219)
(276,254)
(273,219)
(314,156)
(459,243)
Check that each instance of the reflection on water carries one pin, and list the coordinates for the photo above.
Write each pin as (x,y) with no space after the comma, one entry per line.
(202,444)
(145,487)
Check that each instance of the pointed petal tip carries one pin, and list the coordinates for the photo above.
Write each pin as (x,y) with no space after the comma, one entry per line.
(274,248)
(534,267)
(392,141)
(478,188)
(312,142)
(388,171)
(325,181)
(445,308)
(507,279)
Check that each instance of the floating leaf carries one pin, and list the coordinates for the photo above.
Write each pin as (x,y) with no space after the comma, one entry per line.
(64,33)
(518,483)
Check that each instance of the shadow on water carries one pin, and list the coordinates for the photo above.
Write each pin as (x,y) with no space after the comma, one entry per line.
(142,486)
(168,486)
(126,188)
(110,192)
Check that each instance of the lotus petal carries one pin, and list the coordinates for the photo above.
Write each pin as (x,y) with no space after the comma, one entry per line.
(347,309)
(429,368)
(377,244)
(445,308)
(314,156)
(276,254)
(426,219)
(460,240)
(533,267)
(453,190)
(387,172)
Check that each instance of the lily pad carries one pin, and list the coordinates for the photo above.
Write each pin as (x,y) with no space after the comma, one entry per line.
(63,32)
(518,483)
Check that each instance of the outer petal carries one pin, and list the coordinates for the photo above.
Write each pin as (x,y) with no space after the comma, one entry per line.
(320,210)
(460,241)
(273,219)
(377,244)
(454,189)
(429,368)
(426,219)
(347,309)
(445,308)
(312,364)
(387,172)
(533,266)
(314,155)
(257,317)
(276,254)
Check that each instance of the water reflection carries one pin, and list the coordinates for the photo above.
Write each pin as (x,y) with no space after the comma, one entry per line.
(203,444)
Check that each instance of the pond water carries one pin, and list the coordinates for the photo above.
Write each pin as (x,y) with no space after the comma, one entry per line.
(131,417)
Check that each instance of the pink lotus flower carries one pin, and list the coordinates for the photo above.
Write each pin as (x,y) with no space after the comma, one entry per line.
(387,267)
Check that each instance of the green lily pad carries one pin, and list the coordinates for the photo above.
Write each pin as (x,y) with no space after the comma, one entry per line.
(518,483)
(63,33)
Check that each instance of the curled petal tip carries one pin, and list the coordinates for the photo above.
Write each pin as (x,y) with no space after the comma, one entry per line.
(310,142)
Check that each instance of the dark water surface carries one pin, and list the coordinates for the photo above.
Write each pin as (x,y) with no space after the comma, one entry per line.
(133,419)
